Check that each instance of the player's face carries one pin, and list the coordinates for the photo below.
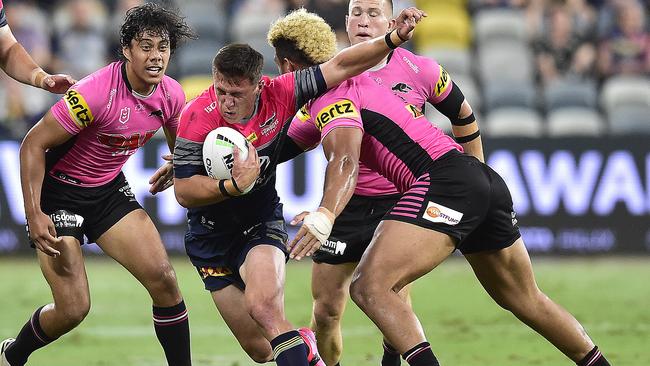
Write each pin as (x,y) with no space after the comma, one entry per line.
(236,99)
(367,19)
(148,57)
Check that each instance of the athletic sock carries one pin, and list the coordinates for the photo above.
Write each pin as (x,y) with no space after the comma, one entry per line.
(173,332)
(594,358)
(289,349)
(30,338)
(391,356)
(421,355)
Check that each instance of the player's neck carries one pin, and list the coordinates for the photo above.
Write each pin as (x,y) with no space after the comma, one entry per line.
(138,86)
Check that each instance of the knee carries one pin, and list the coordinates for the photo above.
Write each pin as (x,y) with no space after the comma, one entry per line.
(163,281)
(73,314)
(328,311)
(264,310)
(364,292)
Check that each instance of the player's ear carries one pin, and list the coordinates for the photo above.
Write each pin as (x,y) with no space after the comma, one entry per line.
(391,25)
(126,52)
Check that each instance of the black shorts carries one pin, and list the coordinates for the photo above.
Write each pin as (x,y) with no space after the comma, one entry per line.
(354,228)
(91,211)
(222,271)
(464,198)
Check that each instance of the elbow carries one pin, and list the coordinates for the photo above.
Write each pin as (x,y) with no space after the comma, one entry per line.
(182,197)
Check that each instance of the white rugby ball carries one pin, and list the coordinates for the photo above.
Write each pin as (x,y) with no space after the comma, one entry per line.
(218,158)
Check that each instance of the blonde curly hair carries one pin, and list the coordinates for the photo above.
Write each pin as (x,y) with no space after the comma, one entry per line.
(306,33)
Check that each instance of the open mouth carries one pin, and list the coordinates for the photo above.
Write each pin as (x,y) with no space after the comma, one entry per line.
(154,70)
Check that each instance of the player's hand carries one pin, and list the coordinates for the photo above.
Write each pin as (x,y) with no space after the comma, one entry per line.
(58,83)
(163,178)
(43,234)
(315,230)
(245,172)
(406,21)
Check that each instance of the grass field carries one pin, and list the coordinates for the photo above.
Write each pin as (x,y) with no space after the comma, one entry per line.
(611,297)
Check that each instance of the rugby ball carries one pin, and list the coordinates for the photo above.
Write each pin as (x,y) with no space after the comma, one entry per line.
(218,158)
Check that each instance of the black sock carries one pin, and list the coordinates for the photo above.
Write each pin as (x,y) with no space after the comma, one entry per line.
(30,338)
(421,355)
(289,349)
(173,331)
(391,356)
(594,358)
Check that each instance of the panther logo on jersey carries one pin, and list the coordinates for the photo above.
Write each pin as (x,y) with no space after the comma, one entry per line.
(401,88)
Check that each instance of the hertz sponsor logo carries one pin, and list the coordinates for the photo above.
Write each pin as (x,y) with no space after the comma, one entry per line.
(341,109)
(303,114)
(436,212)
(443,82)
(214,272)
(78,108)
(415,111)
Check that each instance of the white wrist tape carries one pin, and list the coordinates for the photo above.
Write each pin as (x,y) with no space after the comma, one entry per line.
(319,225)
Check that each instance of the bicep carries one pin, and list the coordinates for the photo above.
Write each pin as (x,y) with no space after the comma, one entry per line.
(47,133)
(343,142)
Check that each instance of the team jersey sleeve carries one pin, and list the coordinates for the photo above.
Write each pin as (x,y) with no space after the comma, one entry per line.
(188,151)
(177,104)
(337,108)
(303,130)
(438,81)
(3,16)
(81,106)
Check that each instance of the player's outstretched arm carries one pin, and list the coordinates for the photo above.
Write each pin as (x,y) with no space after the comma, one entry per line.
(18,64)
(354,60)
(46,134)
(341,147)
(200,190)
(463,122)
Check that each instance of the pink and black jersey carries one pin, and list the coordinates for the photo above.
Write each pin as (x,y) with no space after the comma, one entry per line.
(416,80)
(109,122)
(3,16)
(398,142)
(277,104)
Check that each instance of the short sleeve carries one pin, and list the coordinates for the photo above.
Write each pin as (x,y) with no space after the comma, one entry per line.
(3,16)
(337,108)
(438,80)
(188,151)
(303,130)
(177,104)
(79,107)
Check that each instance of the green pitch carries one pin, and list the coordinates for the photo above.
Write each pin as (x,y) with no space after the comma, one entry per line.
(611,297)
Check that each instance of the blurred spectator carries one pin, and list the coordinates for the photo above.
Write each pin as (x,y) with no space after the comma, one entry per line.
(626,49)
(482,4)
(562,52)
(250,23)
(333,11)
(22,104)
(81,43)
(117,18)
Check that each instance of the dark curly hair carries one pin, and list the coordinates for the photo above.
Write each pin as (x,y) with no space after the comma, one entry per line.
(159,21)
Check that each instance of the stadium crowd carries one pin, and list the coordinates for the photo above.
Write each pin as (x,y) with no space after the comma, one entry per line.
(552,67)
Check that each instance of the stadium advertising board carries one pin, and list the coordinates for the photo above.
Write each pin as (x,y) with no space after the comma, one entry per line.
(571,195)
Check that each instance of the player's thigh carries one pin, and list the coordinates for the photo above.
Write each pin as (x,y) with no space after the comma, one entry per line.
(66,274)
(401,252)
(506,274)
(231,304)
(330,284)
(134,242)
(263,272)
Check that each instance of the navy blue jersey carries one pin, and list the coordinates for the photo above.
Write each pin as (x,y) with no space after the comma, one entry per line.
(279,100)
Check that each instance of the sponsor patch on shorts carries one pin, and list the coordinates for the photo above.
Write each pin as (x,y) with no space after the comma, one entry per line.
(436,212)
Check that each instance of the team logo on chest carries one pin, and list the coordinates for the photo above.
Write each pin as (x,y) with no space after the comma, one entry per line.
(267,127)
(125,114)
(401,88)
